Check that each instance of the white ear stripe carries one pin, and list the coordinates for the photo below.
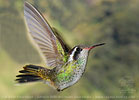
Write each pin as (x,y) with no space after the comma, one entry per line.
(72,54)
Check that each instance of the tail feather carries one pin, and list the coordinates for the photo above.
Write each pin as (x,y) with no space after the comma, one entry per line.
(27,78)
(24,71)
(29,74)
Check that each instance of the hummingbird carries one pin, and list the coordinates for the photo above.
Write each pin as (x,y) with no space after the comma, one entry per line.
(64,65)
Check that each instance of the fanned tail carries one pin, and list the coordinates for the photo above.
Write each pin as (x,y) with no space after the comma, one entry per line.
(31,73)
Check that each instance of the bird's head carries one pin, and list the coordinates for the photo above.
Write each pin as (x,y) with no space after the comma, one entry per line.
(82,51)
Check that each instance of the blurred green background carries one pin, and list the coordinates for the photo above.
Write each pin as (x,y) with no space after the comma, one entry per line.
(112,70)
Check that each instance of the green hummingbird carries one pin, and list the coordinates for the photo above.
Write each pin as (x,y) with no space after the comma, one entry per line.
(65,66)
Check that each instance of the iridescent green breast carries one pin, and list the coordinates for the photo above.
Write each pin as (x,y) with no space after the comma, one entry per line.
(70,73)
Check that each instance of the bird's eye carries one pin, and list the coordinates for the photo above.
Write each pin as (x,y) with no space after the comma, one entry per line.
(76,53)
(79,49)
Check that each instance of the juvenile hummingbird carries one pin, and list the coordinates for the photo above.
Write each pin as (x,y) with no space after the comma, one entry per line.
(65,66)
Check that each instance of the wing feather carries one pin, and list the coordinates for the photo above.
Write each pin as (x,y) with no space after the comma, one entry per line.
(43,35)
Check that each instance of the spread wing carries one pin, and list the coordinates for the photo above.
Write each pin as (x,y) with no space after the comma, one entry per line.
(51,46)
